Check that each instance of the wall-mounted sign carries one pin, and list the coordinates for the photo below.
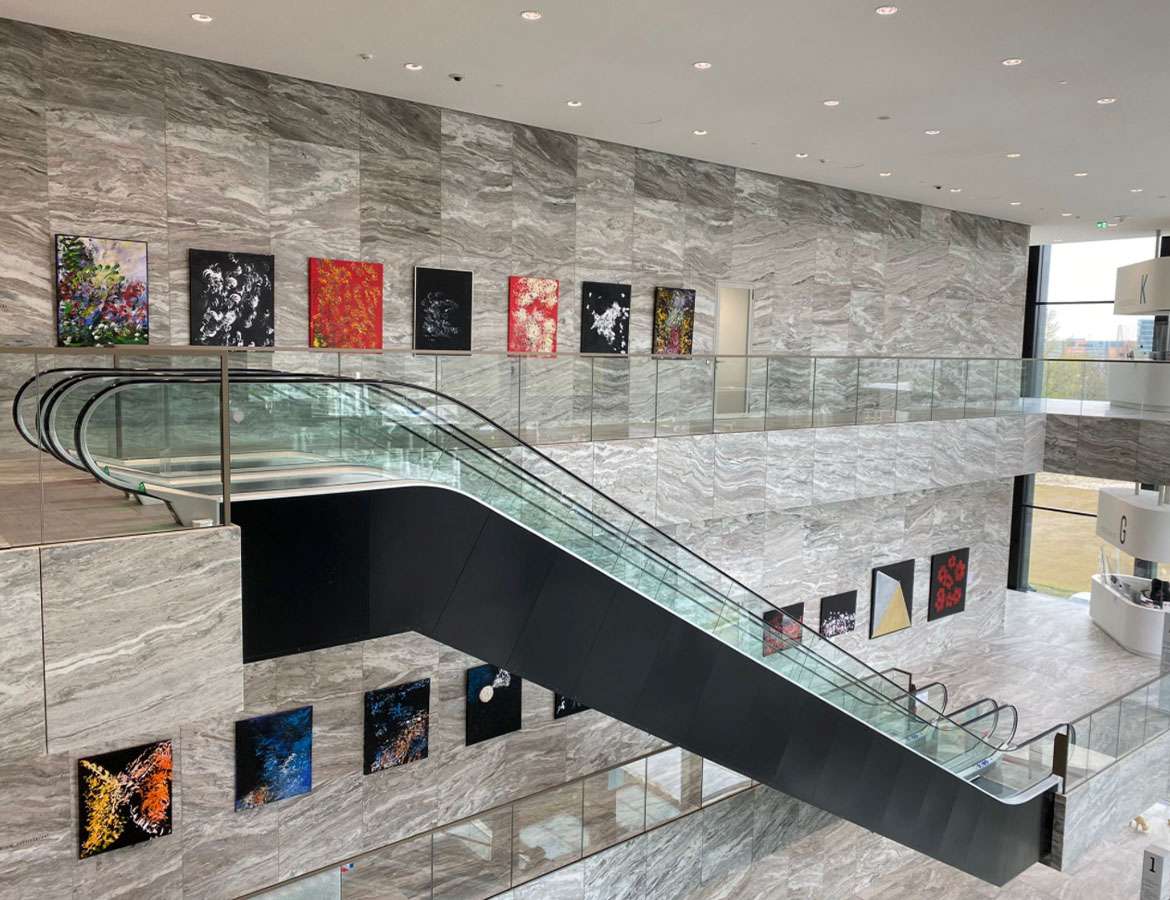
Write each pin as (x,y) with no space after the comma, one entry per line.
(1143,289)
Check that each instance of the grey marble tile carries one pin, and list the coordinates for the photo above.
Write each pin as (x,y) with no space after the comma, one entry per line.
(317,829)
(605,204)
(312,112)
(877,459)
(659,234)
(115,657)
(789,468)
(779,821)
(674,855)
(1061,443)
(38,837)
(564,884)
(101,75)
(21,63)
(618,873)
(739,473)
(208,93)
(476,186)
(1153,452)
(399,872)
(660,176)
(544,186)
(834,464)
(1106,448)
(727,837)
(685,490)
(22,684)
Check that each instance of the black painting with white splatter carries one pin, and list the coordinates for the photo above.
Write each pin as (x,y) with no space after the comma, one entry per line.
(839,614)
(493,703)
(605,317)
(232,301)
(563,705)
(442,309)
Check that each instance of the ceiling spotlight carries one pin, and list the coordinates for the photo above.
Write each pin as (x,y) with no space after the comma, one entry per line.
(573,103)
(1066,215)
(202,18)
(1062,83)
(1012,61)
(831,102)
(956,190)
(365,57)
(532,15)
(1013,155)
(1135,190)
(886,10)
(884,174)
(702,65)
(412,67)
(1105,101)
(1080,174)
(802,156)
(1014,203)
(932,131)
(699,132)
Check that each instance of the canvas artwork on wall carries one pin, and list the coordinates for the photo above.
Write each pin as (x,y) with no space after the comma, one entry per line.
(442,309)
(345,304)
(566,706)
(124,797)
(532,314)
(493,703)
(674,321)
(783,628)
(397,725)
(891,598)
(231,299)
(605,317)
(838,613)
(948,583)
(103,295)
(274,757)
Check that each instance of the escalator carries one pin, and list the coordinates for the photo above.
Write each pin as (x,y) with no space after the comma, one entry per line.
(372,507)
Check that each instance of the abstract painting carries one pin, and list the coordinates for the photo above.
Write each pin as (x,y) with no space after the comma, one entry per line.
(442,309)
(274,757)
(345,304)
(397,725)
(605,317)
(948,583)
(892,598)
(493,703)
(838,613)
(124,797)
(102,292)
(231,299)
(564,705)
(532,314)
(674,321)
(783,628)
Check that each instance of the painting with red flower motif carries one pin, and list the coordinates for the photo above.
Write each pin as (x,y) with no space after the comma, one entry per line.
(948,583)
(532,314)
(345,304)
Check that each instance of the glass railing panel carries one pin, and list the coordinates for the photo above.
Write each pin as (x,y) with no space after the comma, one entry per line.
(877,391)
(401,870)
(1104,731)
(980,397)
(789,396)
(1080,760)
(720,782)
(1131,727)
(324,885)
(1097,386)
(1158,708)
(487,383)
(555,398)
(473,858)
(950,389)
(623,394)
(674,785)
(740,393)
(835,388)
(547,831)
(1009,377)
(686,395)
(915,389)
(1061,384)
(614,805)
(412,368)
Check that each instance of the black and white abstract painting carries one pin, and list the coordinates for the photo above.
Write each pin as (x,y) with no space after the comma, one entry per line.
(605,317)
(232,301)
(838,613)
(564,705)
(442,309)
(493,703)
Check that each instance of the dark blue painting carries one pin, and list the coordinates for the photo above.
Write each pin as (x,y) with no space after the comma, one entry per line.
(566,706)
(274,757)
(493,703)
(397,725)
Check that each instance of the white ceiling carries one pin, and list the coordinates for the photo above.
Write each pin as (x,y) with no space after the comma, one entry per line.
(936,64)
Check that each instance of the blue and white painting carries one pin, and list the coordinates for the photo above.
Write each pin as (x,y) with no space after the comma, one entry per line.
(274,757)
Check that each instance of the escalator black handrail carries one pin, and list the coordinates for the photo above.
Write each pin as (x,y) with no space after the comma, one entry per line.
(214,377)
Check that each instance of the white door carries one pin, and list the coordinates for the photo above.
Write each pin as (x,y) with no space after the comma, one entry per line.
(733,316)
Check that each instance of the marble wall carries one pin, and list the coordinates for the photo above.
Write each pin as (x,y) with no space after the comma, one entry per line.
(110,139)
(1108,447)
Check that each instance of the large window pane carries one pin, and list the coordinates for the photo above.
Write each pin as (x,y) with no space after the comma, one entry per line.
(1063,556)
(1091,331)
(1071,492)
(1086,271)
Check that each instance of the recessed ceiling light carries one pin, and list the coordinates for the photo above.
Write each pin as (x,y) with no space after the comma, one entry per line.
(1080,174)
(532,15)
(1012,61)
(1066,215)
(830,102)
(1013,155)
(573,103)
(1111,224)
(412,67)
(884,174)
(1014,203)
(365,57)
(702,65)
(886,10)
(1105,101)
(956,190)
(1135,190)
(802,156)
(699,132)
(202,18)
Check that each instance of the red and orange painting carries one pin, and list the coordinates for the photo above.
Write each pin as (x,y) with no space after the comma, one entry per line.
(532,314)
(124,797)
(345,304)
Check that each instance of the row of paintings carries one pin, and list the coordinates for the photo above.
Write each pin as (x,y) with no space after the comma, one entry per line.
(124,797)
(891,602)
(103,298)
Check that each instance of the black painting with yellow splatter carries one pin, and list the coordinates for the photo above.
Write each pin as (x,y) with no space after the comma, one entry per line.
(674,321)
(124,797)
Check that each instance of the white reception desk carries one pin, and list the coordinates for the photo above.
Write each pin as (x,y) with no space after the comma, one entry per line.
(1136,627)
